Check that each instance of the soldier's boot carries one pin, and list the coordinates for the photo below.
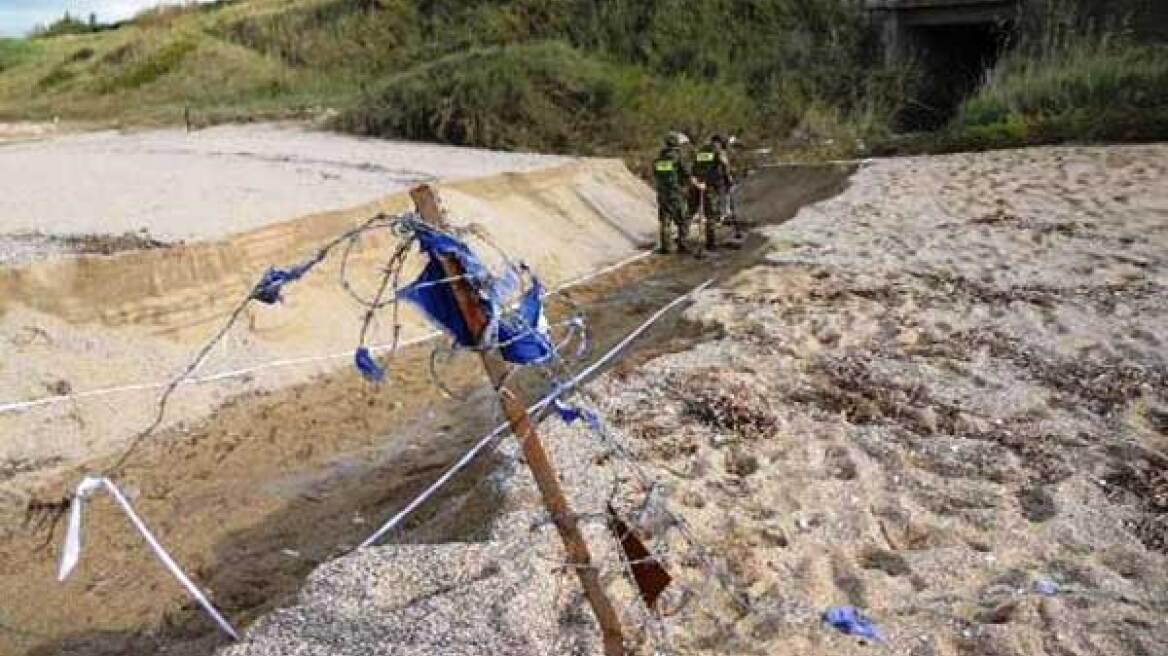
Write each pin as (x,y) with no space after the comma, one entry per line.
(664,236)
(739,236)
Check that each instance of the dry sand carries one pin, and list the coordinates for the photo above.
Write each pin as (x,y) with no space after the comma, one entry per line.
(276,481)
(177,185)
(74,325)
(942,388)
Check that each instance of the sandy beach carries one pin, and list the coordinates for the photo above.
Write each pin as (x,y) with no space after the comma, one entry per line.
(172,185)
(940,398)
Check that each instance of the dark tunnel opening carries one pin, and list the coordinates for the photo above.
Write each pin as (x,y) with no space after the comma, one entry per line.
(954,60)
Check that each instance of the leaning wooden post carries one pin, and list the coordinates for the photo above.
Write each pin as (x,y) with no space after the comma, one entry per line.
(541,465)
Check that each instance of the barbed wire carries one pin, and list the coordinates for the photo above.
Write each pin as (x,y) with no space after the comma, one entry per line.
(516,299)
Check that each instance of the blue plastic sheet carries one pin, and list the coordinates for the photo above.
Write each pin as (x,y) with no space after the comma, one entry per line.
(438,302)
(849,620)
(523,336)
(435,298)
(435,243)
(368,366)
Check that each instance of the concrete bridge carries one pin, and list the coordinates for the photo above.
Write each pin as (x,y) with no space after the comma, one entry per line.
(904,23)
(954,41)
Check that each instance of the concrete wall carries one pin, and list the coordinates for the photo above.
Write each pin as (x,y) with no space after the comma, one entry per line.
(895,19)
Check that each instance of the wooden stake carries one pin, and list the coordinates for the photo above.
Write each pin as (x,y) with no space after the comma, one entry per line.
(544,472)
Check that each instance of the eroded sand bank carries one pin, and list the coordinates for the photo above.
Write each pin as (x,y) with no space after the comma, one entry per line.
(72,326)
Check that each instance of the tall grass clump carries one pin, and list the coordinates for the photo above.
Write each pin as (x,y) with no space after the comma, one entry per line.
(1075,74)
(544,95)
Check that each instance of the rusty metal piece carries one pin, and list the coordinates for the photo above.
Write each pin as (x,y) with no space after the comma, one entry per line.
(650,576)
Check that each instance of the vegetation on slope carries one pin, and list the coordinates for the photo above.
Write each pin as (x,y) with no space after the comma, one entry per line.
(564,75)
(1077,71)
(581,75)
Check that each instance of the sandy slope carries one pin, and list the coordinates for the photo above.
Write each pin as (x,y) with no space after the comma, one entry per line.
(942,387)
(79,324)
(209,183)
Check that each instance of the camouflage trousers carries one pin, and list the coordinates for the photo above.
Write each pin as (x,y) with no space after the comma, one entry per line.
(710,202)
(672,213)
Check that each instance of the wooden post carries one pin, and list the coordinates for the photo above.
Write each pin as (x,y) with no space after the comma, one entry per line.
(544,472)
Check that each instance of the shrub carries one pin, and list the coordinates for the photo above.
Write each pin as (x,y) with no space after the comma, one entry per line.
(150,67)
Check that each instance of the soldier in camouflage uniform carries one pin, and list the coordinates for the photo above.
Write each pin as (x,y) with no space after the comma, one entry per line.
(712,166)
(672,177)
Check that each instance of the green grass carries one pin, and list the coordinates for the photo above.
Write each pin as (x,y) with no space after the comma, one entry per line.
(148,68)
(14,52)
(544,96)
(561,75)
(1073,75)
(578,76)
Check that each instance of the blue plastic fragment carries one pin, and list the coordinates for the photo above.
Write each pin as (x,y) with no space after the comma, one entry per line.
(523,336)
(849,620)
(268,289)
(435,297)
(435,243)
(573,413)
(368,367)
(1046,587)
(438,302)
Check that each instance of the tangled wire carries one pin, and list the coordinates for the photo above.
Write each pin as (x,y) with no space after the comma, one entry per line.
(514,297)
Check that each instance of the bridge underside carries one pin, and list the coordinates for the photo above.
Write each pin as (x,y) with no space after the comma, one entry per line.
(954,41)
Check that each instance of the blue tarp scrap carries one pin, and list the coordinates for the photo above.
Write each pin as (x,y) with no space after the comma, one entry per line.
(436,243)
(438,303)
(368,366)
(849,620)
(268,289)
(436,299)
(523,335)
(573,413)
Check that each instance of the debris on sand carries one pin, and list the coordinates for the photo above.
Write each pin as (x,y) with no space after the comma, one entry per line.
(849,620)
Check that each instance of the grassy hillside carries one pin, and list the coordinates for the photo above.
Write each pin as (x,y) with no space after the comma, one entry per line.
(566,75)
(587,76)
(1076,71)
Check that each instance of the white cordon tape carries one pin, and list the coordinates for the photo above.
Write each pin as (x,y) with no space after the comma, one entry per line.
(72,550)
(474,451)
(19,406)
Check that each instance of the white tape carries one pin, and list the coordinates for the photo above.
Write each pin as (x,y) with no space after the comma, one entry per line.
(71,553)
